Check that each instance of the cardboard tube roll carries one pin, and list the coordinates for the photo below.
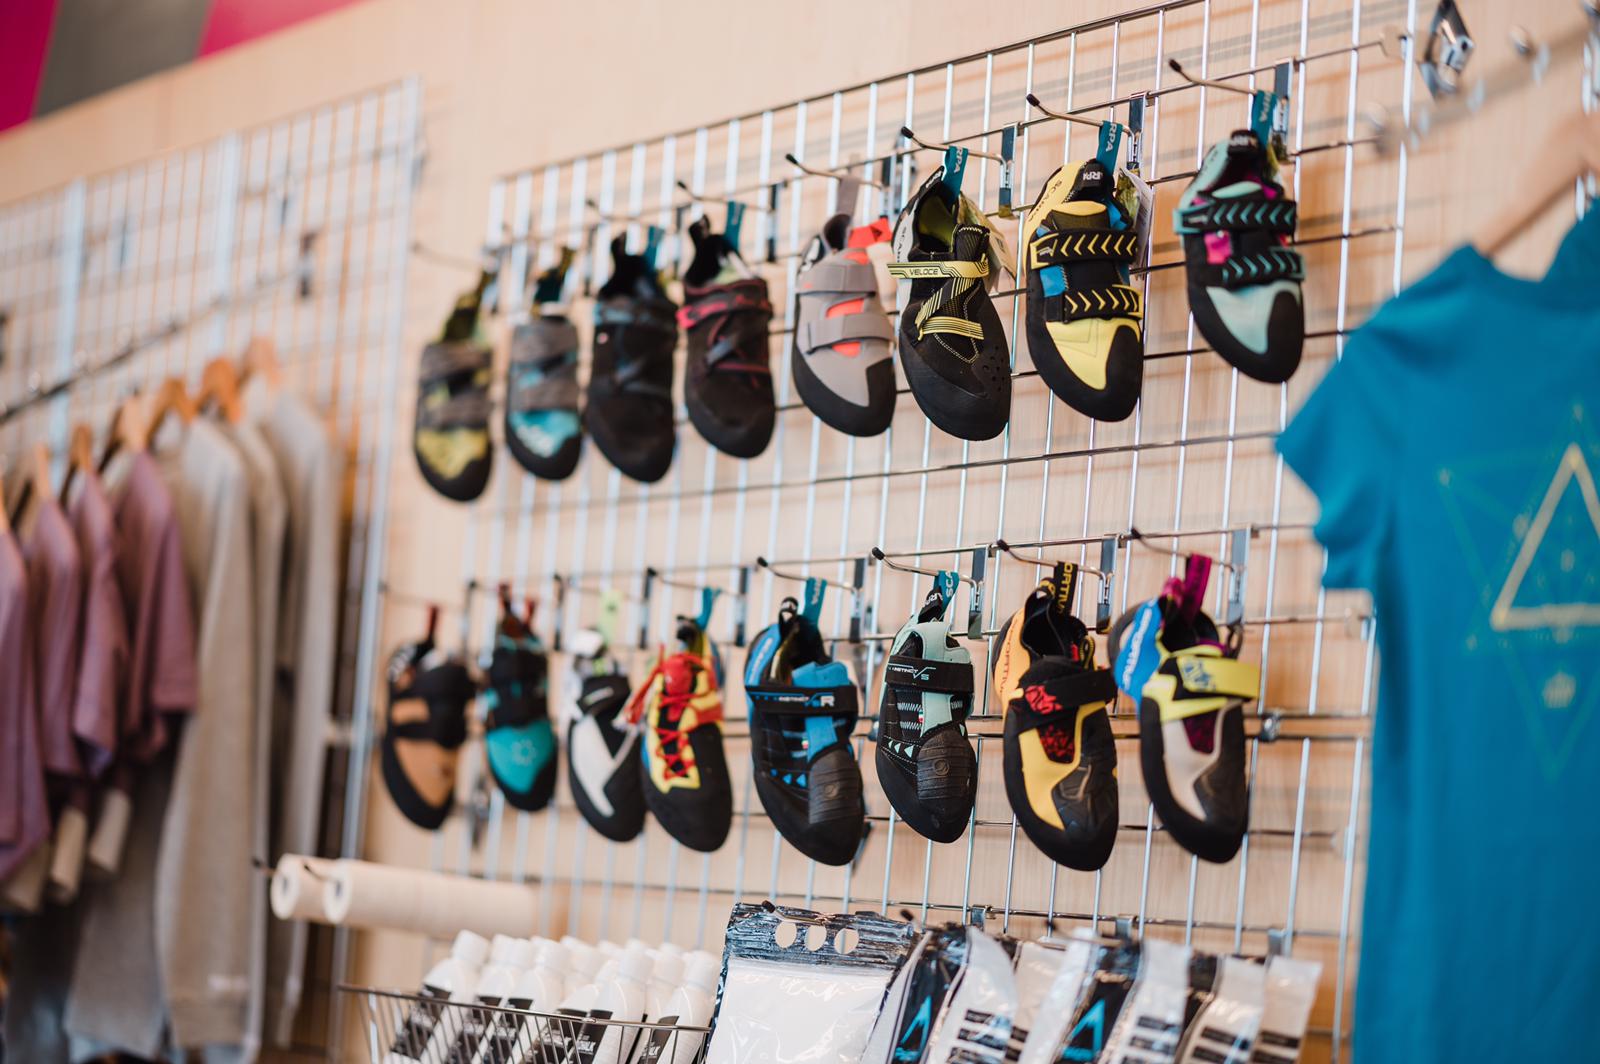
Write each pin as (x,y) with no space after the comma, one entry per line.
(297,884)
(375,896)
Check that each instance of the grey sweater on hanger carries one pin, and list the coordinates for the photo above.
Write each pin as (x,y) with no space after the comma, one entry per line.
(310,466)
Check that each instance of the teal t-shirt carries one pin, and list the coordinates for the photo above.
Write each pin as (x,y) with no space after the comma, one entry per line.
(1454,451)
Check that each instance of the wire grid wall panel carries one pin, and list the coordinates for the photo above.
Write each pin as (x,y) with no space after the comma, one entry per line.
(1196,461)
(297,230)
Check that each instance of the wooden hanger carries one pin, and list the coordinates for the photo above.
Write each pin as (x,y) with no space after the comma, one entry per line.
(128,431)
(172,397)
(36,480)
(219,383)
(1572,151)
(80,454)
(261,359)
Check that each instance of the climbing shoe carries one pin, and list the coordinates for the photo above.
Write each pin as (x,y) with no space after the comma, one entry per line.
(518,738)
(1191,692)
(683,766)
(951,342)
(1083,319)
(1060,759)
(727,377)
(543,429)
(803,707)
(451,434)
(426,723)
(1244,278)
(843,354)
(628,408)
(925,762)
(602,748)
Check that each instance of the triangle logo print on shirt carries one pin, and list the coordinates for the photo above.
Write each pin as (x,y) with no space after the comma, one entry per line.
(1545,588)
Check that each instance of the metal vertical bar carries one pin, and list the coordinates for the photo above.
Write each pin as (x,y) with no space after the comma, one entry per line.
(377,528)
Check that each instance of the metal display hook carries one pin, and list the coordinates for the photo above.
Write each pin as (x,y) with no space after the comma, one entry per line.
(857,582)
(1208,83)
(1102,613)
(1066,116)
(866,182)
(723,201)
(905,131)
(975,581)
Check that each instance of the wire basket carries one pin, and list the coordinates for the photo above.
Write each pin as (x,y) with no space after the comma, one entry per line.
(403,1027)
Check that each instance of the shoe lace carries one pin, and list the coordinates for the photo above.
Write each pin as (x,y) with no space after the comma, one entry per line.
(670,735)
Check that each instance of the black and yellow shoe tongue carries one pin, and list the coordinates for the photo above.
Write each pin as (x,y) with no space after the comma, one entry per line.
(970,244)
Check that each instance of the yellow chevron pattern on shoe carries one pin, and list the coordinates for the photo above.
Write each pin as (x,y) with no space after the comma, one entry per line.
(1123,300)
(1058,246)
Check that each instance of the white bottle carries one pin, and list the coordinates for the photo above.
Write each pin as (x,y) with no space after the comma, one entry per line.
(584,963)
(690,1004)
(495,983)
(539,986)
(624,997)
(665,977)
(427,1027)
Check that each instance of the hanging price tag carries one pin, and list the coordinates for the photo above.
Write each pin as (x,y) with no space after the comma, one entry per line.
(1135,133)
(1008,150)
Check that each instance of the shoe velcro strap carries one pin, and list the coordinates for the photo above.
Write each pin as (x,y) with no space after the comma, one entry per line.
(948,677)
(1057,247)
(1274,264)
(718,304)
(469,410)
(1066,694)
(544,339)
(622,312)
(1112,301)
(804,701)
(543,393)
(939,269)
(1252,215)
(826,332)
(450,358)
(1199,680)
(852,278)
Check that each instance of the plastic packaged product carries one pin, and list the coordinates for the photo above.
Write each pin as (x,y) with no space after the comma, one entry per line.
(1225,1028)
(784,1002)
(1151,1023)
(1105,991)
(424,1033)
(1035,966)
(953,1000)
(539,985)
(1052,1017)
(495,983)
(1291,987)
(689,1004)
